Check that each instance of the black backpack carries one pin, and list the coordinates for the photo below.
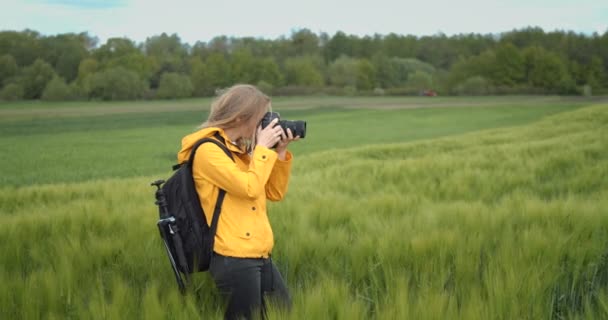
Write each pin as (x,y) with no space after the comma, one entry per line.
(187,238)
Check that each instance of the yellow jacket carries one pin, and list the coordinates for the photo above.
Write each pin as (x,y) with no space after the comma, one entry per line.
(243,229)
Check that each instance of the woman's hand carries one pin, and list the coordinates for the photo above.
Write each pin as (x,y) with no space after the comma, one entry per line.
(285,140)
(269,136)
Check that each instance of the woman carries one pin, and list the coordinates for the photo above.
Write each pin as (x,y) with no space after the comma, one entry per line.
(241,266)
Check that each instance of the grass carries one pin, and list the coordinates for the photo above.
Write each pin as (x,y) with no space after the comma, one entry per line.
(509,222)
(48,144)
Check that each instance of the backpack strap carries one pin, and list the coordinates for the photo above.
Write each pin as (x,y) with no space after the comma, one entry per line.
(220,142)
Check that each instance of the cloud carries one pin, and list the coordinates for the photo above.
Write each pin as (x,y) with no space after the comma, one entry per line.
(201,20)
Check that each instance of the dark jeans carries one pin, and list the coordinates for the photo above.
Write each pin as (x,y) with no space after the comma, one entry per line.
(246,283)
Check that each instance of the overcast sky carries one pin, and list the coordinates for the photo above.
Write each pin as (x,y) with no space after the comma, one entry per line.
(201,20)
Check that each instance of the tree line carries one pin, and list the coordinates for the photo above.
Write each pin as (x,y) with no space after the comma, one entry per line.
(526,61)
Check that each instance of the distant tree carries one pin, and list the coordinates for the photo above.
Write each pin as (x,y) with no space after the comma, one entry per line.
(340,44)
(219,71)
(366,75)
(476,85)
(174,86)
(530,36)
(406,66)
(368,46)
(220,45)
(594,73)
(512,62)
(420,81)
(115,84)
(386,75)
(24,46)
(115,48)
(35,77)
(201,79)
(303,71)
(64,52)
(242,67)
(547,70)
(57,90)
(304,42)
(269,72)
(145,67)
(482,65)
(8,68)
(509,67)
(12,92)
(343,72)
(438,51)
(265,87)
(400,46)
(87,67)
(168,52)
(602,45)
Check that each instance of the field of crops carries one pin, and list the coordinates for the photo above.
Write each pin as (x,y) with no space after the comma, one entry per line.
(398,208)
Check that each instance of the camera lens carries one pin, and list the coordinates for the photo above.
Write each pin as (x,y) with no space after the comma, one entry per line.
(297,127)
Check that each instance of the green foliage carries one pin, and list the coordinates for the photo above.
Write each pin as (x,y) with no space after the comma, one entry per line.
(115,84)
(168,53)
(386,75)
(201,79)
(115,48)
(303,71)
(269,72)
(525,61)
(12,92)
(404,67)
(265,87)
(8,68)
(145,67)
(475,86)
(35,77)
(24,46)
(65,52)
(242,66)
(483,65)
(509,68)
(174,86)
(547,70)
(304,42)
(400,46)
(57,90)
(420,81)
(219,71)
(366,75)
(354,74)
(87,67)
(340,44)
(343,72)
(438,50)
(594,73)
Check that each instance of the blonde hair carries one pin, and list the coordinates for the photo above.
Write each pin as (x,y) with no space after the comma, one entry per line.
(236,106)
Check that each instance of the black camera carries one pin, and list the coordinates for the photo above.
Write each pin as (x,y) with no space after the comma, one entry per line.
(297,127)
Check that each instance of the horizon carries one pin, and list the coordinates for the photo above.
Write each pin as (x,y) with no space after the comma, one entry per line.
(496,35)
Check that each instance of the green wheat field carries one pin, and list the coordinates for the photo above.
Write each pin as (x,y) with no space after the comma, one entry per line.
(398,208)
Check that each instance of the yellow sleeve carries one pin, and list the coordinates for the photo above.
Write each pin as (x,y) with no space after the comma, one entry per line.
(276,188)
(214,165)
